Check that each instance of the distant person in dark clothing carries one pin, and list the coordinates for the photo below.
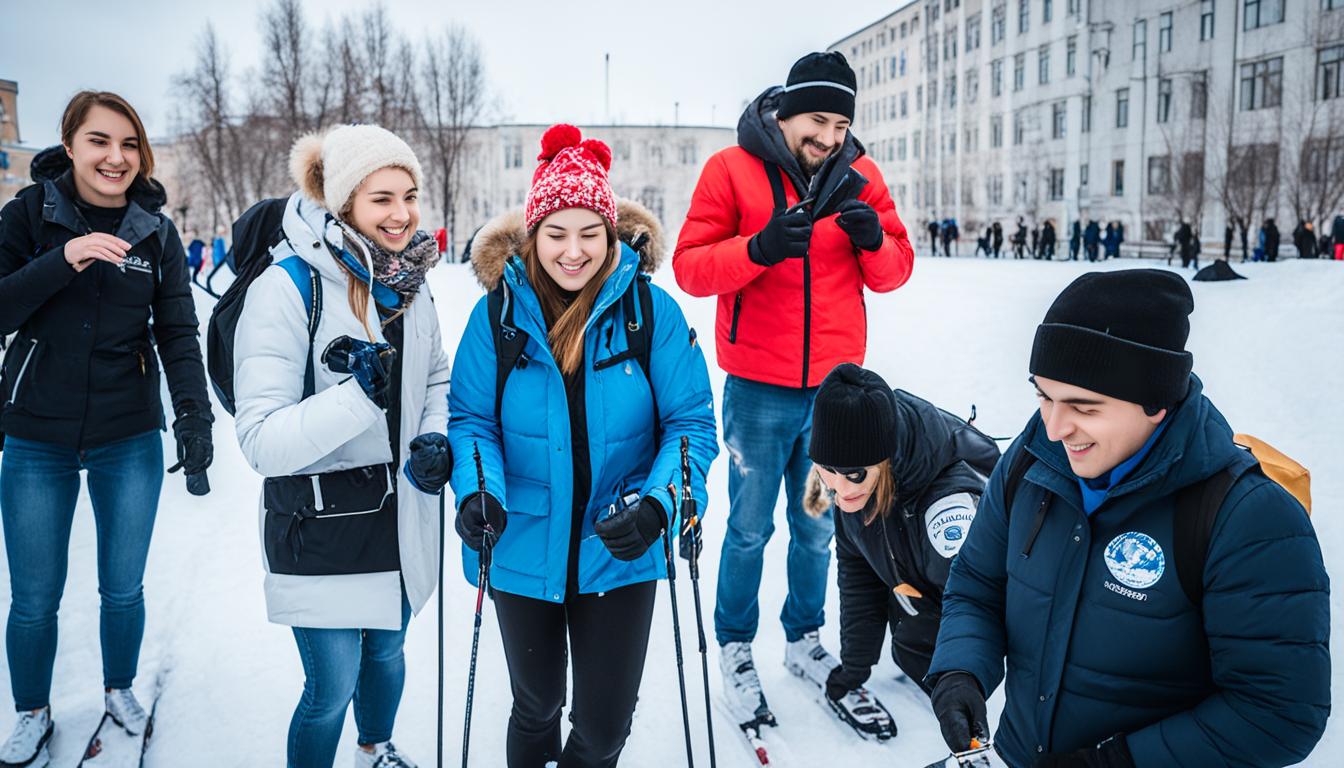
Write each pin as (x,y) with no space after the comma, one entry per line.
(950,235)
(1048,241)
(1228,231)
(933,236)
(1241,225)
(1269,240)
(1020,239)
(1075,239)
(1337,237)
(195,255)
(1187,244)
(1091,239)
(982,243)
(1035,248)
(998,239)
(1304,239)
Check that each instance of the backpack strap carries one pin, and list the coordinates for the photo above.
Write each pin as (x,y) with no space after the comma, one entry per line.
(1197,507)
(509,341)
(309,284)
(776,177)
(637,307)
(1017,470)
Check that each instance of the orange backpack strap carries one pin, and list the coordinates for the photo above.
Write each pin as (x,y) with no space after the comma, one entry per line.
(1280,467)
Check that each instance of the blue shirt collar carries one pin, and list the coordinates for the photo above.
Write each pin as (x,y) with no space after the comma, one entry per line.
(1095,489)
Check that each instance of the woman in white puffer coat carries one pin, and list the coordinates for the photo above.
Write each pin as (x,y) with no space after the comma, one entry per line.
(348,429)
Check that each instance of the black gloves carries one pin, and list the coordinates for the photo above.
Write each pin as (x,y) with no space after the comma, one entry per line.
(195,452)
(1111,753)
(367,362)
(959,705)
(476,511)
(628,534)
(430,462)
(785,237)
(859,221)
(841,682)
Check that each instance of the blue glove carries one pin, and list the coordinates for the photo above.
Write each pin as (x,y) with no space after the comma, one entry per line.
(367,362)
(430,462)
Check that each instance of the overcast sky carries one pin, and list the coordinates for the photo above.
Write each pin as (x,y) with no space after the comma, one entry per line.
(544,59)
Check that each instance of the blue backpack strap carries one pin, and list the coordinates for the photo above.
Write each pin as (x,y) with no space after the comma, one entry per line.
(509,340)
(309,284)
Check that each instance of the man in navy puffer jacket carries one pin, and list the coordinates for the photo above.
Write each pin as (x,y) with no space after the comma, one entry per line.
(1073,580)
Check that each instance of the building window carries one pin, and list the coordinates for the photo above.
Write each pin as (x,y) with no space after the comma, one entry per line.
(1082,175)
(967,192)
(951,91)
(901,153)
(1328,69)
(1056,183)
(972,84)
(950,43)
(996,77)
(1047,11)
(1019,71)
(1206,19)
(1330,5)
(1071,57)
(1019,188)
(1163,99)
(1140,49)
(1199,95)
(995,189)
(1261,13)
(686,152)
(995,131)
(513,153)
(972,32)
(1019,127)
(997,24)
(914,145)
(1122,108)
(919,97)
(933,93)
(1261,84)
(1059,113)
(1118,178)
(1023,16)
(1159,175)
(1164,33)
(1043,65)
(1087,115)
(905,103)
(1074,7)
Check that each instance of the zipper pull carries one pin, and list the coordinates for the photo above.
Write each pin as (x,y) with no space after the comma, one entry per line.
(141,355)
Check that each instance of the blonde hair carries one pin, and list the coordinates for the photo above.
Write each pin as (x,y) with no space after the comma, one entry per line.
(566,319)
(884,493)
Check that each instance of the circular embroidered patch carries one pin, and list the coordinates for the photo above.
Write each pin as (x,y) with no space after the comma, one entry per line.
(1135,560)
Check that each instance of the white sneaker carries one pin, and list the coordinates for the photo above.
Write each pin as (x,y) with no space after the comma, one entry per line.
(741,684)
(384,755)
(27,745)
(125,710)
(806,658)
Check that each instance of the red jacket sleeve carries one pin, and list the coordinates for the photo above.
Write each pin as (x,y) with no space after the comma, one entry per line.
(888,267)
(711,254)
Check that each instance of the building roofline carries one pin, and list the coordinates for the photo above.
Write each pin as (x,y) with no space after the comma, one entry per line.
(902,9)
(610,125)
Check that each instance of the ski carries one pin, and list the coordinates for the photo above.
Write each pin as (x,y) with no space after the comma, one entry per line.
(976,757)
(764,749)
(112,746)
(862,712)
(751,731)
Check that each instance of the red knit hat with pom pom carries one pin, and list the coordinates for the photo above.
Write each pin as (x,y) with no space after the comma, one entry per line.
(572,174)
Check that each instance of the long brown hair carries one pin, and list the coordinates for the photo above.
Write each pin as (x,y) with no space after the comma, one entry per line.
(884,493)
(566,318)
(356,290)
(78,110)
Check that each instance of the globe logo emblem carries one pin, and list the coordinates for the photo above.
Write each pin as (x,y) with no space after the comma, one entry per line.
(1135,560)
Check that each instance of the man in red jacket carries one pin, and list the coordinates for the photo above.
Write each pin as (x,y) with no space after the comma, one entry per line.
(787,229)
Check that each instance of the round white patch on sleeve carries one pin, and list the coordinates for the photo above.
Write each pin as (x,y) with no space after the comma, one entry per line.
(948,521)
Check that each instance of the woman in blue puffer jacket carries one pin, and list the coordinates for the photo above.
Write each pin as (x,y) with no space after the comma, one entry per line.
(578,453)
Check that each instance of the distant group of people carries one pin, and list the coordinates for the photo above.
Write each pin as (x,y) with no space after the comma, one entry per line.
(1309,244)
(1039,242)
(946,232)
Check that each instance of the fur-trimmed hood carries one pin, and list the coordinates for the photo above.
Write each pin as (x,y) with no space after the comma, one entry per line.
(504,235)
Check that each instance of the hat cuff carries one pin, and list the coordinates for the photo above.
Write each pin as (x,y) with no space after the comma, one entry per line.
(819,98)
(1115,367)
(849,445)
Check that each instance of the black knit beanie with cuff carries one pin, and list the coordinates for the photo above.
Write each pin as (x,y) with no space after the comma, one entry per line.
(853,419)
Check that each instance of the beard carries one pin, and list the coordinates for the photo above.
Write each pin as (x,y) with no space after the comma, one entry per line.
(809,164)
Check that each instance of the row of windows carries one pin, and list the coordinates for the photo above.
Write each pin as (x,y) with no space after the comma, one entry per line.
(655,153)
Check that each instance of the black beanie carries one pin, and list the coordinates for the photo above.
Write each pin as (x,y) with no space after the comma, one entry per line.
(819,82)
(853,419)
(1121,334)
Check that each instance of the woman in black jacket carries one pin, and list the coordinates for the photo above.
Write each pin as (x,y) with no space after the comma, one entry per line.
(905,478)
(86,260)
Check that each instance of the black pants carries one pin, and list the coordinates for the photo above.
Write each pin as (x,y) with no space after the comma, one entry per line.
(609,637)
(912,640)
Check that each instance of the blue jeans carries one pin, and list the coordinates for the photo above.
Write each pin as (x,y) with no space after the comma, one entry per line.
(39,485)
(766,429)
(365,665)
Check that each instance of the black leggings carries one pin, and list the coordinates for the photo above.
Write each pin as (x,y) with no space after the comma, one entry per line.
(609,635)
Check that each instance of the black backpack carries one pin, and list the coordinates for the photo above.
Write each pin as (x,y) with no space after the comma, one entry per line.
(259,242)
(1197,507)
(510,340)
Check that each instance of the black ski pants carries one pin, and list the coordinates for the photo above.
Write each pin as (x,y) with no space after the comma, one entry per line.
(608,637)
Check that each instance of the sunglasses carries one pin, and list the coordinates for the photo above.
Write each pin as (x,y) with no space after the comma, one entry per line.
(852,474)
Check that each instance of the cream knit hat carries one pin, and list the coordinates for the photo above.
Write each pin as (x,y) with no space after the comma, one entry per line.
(329,166)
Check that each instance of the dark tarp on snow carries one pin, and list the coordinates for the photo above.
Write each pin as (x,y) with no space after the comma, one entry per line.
(1217,271)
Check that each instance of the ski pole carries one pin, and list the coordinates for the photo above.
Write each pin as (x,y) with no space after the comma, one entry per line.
(676,624)
(691,525)
(482,585)
(443,493)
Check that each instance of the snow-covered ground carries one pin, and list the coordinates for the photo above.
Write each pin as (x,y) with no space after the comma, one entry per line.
(959,333)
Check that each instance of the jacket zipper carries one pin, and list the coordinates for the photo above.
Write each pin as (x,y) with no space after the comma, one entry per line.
(141,356)
(906,605)
(28,358)
(737,313)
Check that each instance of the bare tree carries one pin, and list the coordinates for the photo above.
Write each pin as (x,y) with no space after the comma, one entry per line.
(452,101)
(1313,127)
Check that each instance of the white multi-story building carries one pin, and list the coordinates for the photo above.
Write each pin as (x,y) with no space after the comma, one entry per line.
(1137,111)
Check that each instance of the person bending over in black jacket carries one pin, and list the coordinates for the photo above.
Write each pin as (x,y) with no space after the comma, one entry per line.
(899,471)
